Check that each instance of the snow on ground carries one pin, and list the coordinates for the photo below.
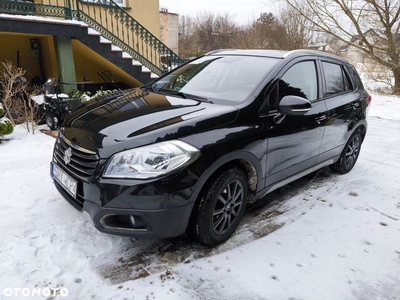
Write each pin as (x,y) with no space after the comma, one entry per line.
(324,237)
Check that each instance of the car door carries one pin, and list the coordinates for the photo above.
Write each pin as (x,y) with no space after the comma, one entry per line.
(342,104)
(294,140)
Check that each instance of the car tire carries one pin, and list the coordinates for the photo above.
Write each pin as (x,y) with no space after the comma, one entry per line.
(219,211)
(50,122)
(349,155)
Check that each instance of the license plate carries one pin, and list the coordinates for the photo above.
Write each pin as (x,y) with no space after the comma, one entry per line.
(66,181)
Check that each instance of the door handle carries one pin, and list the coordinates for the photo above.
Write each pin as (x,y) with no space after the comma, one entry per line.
(320,119)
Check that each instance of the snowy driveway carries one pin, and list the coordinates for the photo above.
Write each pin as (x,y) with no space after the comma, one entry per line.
(324,237)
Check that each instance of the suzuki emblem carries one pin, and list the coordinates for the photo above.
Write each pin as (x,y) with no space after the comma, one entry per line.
(67,155)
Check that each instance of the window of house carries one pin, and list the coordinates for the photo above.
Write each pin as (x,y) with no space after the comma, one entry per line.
(120,2)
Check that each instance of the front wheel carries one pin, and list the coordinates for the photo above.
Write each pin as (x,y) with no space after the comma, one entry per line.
(220,209)
(349,156)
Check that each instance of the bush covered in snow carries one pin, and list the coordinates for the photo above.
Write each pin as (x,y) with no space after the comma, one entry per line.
(5,125)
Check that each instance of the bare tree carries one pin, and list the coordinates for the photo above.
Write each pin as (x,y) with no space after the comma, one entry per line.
(16,97)
(12,87)
(214,32)
(370,26)
(27,109)
(262,33)
(297,28)
(286,30)
(187,38)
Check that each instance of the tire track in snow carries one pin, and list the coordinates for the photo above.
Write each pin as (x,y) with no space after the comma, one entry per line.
(261,218)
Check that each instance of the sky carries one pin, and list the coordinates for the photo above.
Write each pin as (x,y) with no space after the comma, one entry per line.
(243,11)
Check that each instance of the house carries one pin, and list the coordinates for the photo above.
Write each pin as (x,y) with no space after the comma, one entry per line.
(109,43)
(374,37)
(169,33)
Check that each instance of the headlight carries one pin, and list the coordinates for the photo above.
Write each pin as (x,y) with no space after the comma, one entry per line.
(151,161)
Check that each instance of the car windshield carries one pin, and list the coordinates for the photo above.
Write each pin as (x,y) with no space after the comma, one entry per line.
(216,78)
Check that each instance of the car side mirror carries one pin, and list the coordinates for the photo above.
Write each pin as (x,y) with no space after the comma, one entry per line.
(294,105)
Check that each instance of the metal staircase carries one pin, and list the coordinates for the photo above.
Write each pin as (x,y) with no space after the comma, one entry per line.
(111,21)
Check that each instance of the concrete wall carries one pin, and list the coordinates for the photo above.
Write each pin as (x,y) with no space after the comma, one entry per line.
(169,30)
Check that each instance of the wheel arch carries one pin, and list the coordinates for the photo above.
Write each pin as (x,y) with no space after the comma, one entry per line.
(243,160)
(362,129)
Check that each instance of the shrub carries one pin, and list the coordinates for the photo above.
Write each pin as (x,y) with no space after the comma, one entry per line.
(6,126)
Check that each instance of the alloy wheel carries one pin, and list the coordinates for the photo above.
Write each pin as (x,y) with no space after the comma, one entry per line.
(228,206)
(352,152)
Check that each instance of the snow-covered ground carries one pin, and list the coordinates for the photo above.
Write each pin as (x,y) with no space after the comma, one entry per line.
(325,237)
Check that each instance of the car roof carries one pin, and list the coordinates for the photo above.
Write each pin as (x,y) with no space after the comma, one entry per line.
(275,53)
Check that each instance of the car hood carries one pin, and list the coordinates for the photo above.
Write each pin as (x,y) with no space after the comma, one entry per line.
(133,118)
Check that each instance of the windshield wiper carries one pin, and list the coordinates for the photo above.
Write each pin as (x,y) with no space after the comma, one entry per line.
(190,96)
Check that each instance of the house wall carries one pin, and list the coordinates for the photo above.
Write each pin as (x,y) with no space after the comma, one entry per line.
(146,13)
(27,58)
(143,11)
(169,30)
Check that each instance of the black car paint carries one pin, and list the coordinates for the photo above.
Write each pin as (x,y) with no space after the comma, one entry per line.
(244,133)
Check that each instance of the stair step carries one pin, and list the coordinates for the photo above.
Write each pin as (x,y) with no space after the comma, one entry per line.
(93,32)
(126,55)
(115,48)
(104,41)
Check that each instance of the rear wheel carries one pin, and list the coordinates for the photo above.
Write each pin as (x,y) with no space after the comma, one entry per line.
(220,209)
(349,156)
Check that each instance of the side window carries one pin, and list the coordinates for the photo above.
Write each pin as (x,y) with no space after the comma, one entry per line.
(300,80)
(336,79)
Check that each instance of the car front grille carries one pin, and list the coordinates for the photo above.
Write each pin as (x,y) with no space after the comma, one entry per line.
(80,162)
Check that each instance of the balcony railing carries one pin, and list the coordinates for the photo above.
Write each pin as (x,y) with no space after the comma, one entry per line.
(111,21)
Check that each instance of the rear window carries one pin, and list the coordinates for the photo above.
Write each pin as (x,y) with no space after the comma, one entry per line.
(336,79)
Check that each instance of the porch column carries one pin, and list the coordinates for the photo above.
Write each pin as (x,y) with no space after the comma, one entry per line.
(65,62)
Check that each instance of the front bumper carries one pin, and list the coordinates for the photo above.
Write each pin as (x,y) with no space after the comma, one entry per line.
(127,213)
(149,224)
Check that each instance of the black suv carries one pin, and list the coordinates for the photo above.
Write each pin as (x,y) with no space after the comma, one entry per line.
(187,151)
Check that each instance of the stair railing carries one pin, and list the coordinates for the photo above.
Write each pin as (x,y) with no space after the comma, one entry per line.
(111,21)
(116,25)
